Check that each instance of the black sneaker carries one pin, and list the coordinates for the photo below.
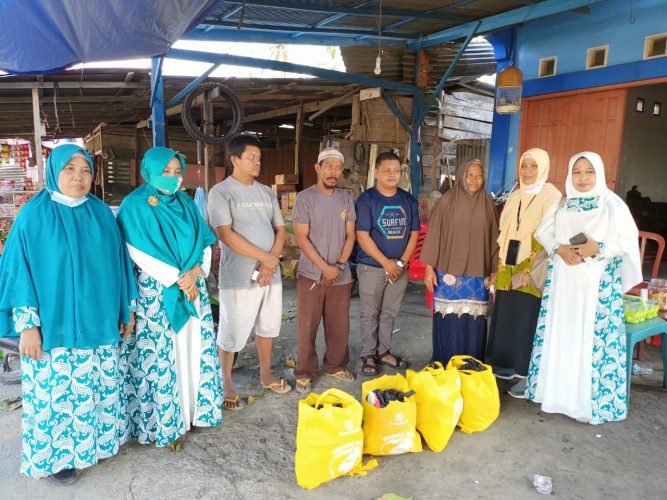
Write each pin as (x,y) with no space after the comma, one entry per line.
(518,390)
(64,477)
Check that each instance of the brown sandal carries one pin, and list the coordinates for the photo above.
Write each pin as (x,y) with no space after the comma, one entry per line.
(367,369)
(399,364)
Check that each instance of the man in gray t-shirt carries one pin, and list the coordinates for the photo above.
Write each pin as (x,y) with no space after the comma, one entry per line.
(324,227)
(251,233)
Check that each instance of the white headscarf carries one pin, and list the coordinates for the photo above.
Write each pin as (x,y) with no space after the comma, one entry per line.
(600,188)
(603,216)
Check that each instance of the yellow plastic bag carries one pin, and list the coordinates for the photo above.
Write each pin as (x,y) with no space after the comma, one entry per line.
(439,403)
(390,430)
(481,401)
(329,439)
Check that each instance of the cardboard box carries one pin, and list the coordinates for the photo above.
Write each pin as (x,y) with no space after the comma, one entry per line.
(287,200)
(279,189)
(282,179)
(373,93)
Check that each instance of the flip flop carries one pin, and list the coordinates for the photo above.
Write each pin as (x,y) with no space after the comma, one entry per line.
(303,385)
(342,375)
(233,404)
(281,387)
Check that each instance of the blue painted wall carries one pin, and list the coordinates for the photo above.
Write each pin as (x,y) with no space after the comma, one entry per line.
(621,24)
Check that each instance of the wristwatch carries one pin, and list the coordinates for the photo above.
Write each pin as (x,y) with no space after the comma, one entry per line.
(341,265)
(400,263)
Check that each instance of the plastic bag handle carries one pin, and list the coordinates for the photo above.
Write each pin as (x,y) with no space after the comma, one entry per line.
(337,393)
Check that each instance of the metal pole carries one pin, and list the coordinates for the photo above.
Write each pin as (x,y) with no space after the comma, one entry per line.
(157,102)
(37,125)
(298,131)
(209,158)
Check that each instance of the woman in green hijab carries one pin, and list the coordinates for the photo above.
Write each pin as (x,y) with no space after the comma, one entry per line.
(170,367)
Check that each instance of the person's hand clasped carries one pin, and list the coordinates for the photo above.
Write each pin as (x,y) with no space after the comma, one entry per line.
(392,269)
(188,283)
(265,275)
(330,274)
(520,280)
(569,256)
(30,344)
(588,249)
(270,261)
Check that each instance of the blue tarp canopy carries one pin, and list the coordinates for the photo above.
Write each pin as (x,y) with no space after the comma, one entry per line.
(43,36)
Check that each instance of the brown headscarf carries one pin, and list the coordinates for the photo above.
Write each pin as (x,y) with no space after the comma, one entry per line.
(463,231)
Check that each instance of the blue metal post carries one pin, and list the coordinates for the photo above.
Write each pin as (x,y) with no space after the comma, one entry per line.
(191,86)
(157,102)
(415,145)
(253,62)
(502,20)
(397,112)
(452,65)
(504,45)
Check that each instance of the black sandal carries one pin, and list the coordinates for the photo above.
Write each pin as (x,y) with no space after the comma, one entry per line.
(367,369)
(400,364)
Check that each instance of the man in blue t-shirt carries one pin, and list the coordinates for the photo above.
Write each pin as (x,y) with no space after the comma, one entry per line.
(387,232)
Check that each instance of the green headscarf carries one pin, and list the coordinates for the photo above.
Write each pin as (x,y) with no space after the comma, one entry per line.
(167,227)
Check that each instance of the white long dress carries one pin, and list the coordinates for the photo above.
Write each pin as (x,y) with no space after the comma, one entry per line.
(578,362)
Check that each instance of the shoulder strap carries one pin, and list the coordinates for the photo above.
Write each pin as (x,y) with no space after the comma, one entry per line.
(561,204)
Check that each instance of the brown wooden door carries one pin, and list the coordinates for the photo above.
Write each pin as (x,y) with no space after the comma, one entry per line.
(566,125)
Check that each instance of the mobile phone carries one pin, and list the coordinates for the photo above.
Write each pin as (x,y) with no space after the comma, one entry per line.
(512,252)
(255,273)
(578,239)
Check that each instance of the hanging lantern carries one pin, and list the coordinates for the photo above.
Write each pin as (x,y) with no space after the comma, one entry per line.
(508,90)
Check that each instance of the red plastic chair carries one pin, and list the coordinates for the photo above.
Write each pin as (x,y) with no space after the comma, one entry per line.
(417,267)
(644,237)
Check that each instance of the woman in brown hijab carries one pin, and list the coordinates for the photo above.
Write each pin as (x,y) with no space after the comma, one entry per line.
(461,252)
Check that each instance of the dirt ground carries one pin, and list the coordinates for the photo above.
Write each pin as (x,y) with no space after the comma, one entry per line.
(252,455)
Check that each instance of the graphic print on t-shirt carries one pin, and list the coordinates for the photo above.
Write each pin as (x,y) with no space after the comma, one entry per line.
(393,222)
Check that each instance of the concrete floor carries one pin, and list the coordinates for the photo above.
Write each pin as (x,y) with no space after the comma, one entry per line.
(252,455)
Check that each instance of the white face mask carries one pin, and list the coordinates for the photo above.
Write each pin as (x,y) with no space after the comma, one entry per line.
(68,200)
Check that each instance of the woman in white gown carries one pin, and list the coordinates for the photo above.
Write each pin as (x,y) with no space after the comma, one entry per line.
(578,363)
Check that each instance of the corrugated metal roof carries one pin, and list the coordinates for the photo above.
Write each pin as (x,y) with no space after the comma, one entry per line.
(398,63)
(345,22)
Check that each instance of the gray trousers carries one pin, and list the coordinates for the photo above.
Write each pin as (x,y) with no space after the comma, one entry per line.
(380,303)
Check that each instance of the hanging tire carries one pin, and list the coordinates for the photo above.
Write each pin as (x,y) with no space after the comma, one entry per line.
(195,131)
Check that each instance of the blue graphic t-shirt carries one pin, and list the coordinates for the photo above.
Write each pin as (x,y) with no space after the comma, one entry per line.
(388,220)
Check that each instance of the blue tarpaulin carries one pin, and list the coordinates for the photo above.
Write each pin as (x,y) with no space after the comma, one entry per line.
(43,36)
